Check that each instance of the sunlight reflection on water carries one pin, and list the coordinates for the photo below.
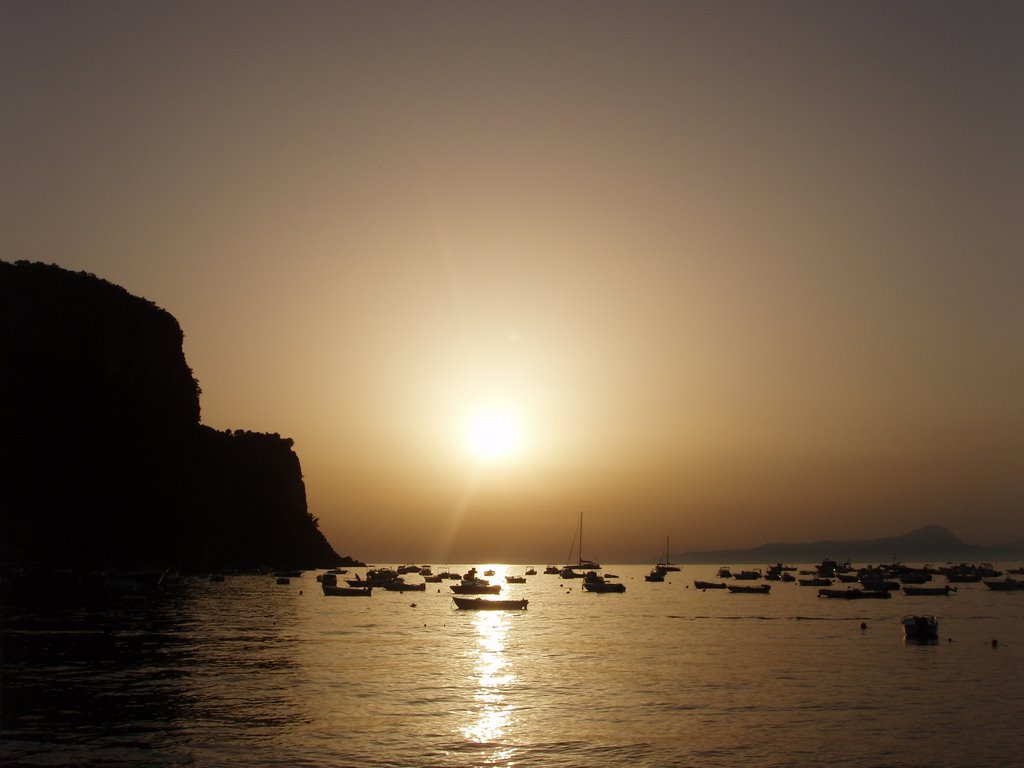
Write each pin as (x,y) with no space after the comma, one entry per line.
(491,713)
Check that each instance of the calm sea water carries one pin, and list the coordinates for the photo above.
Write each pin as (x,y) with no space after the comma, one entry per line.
(252,673)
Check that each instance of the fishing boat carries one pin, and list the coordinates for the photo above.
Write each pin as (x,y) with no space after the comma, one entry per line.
(552,569)
(400,586)
(333,591)
(515,579)
(482,604)
(920,628)
(594,583)
(749,589)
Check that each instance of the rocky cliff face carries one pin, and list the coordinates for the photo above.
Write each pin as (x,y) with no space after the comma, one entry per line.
(103,457)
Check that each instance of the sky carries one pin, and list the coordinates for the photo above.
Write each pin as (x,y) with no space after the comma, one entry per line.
(728,272)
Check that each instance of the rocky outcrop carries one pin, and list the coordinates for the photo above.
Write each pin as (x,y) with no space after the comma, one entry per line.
(104,460)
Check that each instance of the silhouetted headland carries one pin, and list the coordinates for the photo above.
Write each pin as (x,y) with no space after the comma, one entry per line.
(104,460)
(932,543)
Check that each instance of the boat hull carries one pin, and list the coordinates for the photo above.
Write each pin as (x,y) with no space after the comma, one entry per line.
(480,604)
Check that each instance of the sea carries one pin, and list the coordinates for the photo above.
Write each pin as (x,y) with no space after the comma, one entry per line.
(249,672)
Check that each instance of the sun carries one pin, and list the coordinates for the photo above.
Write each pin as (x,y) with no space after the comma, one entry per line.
(493,435)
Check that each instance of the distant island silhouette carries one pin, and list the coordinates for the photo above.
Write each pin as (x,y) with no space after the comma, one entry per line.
(104,461)
(932,543)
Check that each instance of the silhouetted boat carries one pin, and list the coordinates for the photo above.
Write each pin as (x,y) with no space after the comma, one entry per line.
(482,604)
(666,565)
(749,589)
(581,564)
(472,585)
(817,582)
(330,591)
(594,583)
(515,579)
(911,591)
(375,577)
(531,571)
(1006,585)
(657,574)
(708,584)
(920,628)
(552,569)
(854,594)
(400,586)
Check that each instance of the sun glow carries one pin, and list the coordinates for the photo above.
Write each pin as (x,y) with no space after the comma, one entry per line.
(493,435)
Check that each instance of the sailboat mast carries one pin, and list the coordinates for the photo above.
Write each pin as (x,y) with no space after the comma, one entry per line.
(581,538)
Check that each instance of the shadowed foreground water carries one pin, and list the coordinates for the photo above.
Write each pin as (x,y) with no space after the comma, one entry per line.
(251,673)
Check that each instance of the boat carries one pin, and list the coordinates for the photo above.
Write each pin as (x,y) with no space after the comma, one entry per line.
(332,591)
(581,564)
(594,583)
(708,584)
(854,594)
(1006,585)
(657,574)
(552,569)
(531,571)
(375,577)
(515,579)
(817,582)
(920,628)
(725,572)
(911,591)
(748,575)
(482,604)
(666,565)
(749,589)
(400,586)
(472,585)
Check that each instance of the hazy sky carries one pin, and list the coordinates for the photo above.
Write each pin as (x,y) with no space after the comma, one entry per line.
(734,272)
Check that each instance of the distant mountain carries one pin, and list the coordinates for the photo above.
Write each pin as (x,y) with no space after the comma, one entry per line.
(933,543)
(104,461)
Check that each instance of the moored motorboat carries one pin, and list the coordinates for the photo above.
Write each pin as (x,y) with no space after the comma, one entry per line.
(912,591)
(853,594)
(657,574)
(594,583)
(331,591)
(920,627)
(472,585)
(749,589)
(515,579)
(482,604)
(1006,585)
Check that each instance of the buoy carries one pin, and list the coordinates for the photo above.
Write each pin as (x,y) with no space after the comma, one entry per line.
(413,605)
(863,625)
(995,643)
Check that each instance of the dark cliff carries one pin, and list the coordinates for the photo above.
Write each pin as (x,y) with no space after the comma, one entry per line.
(104,460)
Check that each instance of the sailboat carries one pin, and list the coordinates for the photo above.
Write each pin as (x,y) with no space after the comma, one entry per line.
(569,571)
(667,566)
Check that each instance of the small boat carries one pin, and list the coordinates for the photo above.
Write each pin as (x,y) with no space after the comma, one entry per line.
(667,565)
(749,589)
(580,564)
(480,604)
(911,591)
(708,584)
(531,571)
(725,572)
(819,582)
(400,586)
(330,591)
(552,569)
(594,583)
(471,585)
(748,575)
(921,628)
(657,574)
(1006,585)
(283,580)
(489,572)
(515,579)
(854,594)
(879,585)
